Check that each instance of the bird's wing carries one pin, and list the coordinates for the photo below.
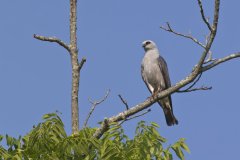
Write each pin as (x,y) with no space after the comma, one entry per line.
(150,88)
(164,70)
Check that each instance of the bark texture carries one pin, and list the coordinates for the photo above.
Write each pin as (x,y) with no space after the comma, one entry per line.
(75,65)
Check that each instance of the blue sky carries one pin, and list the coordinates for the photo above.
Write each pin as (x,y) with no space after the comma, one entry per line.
(36,76)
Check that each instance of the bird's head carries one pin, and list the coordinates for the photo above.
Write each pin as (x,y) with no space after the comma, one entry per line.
(148,45)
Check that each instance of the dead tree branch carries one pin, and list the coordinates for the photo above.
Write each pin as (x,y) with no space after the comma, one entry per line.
(82,63)
(203,88)
(94,104)
(219,61)
(169,29)
(76,66)
(123,101)
(213,32)
(198,69)
(53,39)
(149,110)
(192,85)
(203,15)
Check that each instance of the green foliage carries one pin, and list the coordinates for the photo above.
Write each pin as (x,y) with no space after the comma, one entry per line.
(48,140)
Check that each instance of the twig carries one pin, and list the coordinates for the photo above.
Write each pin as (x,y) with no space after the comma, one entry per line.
(209,59)
(203,15)
(82,63)
(203,88)
(211,38)
(193,84)
(169,29)
(52,39)
(124,101)
(149,110)
(94,104)
(219,61)
(216,15)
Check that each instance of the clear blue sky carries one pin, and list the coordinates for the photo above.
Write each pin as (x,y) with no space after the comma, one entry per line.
(36,76)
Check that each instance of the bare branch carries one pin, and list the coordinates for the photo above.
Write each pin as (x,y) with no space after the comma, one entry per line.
(203,15)
(209,59)
(94,104)
(169,29)
(52,39)
(75,66)
(211,37)
(203,88)
(124,101)
(216,15)
(149,110)
(219,61)
(193,84)
(82,63)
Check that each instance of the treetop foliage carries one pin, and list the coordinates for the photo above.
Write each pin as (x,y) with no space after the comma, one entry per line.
(48,140)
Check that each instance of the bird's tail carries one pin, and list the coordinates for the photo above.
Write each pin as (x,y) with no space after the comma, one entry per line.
(169,116)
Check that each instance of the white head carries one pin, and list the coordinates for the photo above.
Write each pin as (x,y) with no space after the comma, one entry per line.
(149,45)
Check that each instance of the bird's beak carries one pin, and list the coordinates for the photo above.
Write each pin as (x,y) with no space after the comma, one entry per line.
(143,45)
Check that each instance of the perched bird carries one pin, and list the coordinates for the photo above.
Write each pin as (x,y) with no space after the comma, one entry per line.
(155,75)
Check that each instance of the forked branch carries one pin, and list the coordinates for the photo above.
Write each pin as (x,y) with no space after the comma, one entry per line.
(76,66)
(203,88)
(142,114)
(203,15)
(191,89)
(94,104)
(124,101)
(169,29)
(219,61)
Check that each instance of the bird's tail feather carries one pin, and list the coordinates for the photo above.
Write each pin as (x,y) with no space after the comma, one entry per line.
(168,112)
(169,116)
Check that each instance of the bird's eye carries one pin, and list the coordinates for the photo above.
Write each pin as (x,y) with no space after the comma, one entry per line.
(148,42)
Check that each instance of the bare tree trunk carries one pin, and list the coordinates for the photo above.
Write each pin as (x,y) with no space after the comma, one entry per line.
(75,65)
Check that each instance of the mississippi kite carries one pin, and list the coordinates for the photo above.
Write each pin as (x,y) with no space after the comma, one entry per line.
(155,75)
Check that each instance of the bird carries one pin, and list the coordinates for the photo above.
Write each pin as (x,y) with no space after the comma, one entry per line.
(155,75)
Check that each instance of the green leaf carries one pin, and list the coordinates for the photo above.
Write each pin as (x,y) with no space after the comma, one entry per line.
(95,143)
(114,128)
(1,137)
(178,151)
(185,147)
(110,153)
(152,150)
(155,125)
(9,140)
(3,153)
(47,116)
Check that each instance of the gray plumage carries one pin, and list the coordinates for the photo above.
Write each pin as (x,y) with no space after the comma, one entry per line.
(155,75)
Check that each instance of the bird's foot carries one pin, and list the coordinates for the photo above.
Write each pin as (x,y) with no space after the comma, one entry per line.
(154,95)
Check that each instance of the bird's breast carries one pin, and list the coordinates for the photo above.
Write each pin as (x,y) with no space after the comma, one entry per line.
(152,72)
